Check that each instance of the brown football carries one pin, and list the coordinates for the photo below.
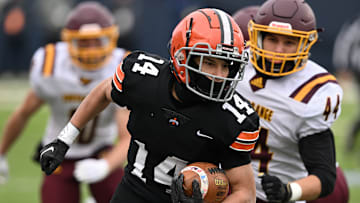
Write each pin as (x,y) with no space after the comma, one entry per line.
(214,184)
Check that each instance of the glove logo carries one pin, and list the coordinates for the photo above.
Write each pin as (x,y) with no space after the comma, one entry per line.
(46,150)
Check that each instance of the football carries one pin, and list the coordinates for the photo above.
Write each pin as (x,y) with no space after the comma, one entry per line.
(214,184)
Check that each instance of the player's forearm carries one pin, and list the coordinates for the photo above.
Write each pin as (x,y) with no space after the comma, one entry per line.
(117,156)
(241,197)
(92,105)
(242,185)
(12,131)
(18,120)
(311,187)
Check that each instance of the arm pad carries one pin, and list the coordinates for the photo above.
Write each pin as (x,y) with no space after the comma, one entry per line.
(318,154)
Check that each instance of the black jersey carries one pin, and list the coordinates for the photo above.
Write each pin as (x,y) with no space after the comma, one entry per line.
(166,135)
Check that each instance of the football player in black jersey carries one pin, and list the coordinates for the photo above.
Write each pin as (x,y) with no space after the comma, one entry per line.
(183,110)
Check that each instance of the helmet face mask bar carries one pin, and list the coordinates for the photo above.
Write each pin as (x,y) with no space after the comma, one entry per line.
(216,91)
(86,57)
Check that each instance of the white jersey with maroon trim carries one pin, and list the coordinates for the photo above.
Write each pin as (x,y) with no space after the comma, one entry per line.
(63,86)
(290,108)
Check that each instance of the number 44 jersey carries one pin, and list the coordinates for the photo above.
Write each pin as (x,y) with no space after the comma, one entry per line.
(290,108)
(63,86)
(167,135)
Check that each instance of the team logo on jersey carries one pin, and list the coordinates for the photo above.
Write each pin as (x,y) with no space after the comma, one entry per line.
(174,121)
(174,118)
(257,82)
(85,81)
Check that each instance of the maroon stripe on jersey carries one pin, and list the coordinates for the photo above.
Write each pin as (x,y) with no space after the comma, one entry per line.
(313,90)
(307,90)
(308,81)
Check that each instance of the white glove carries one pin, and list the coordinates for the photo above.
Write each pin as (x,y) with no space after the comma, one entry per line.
(4,170)
(91,170)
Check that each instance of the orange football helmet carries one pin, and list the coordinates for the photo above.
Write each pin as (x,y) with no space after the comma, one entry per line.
(293,18)
(91,35)
(212,33)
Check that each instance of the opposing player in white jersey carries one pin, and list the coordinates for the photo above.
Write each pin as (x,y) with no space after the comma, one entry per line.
(297,101)
(62,74)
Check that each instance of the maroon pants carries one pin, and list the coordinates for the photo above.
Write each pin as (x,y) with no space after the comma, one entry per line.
(61,186)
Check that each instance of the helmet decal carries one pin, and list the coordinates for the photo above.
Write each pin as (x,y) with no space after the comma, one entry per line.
(227,35)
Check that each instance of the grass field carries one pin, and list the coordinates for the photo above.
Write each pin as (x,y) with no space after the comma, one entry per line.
(25,175)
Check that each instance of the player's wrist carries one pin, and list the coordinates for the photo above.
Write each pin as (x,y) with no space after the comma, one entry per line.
(69,134)
(295,191)
(105,165)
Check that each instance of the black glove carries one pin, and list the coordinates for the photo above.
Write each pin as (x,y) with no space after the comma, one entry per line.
(36,155)
(178,195)
(275,190)
(52,155)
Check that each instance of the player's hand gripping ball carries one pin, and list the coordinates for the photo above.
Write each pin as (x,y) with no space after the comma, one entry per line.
(214,184)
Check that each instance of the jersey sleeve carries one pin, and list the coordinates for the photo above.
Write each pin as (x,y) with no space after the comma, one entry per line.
(131,78)
(117,93)
(248,135)
(244,129)
(322,110)
(36,72)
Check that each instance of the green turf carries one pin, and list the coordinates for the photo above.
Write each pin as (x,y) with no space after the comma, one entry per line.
(25,175)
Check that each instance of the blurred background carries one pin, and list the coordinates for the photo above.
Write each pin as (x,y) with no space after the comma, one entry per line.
(26,25)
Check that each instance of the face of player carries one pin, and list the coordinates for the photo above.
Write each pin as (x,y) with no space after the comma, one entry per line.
(89,43)
(214,66)
(280,44)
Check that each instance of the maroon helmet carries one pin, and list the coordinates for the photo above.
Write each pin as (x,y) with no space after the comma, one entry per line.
(293,18)
(90,21)
(296,12)
(242,18)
